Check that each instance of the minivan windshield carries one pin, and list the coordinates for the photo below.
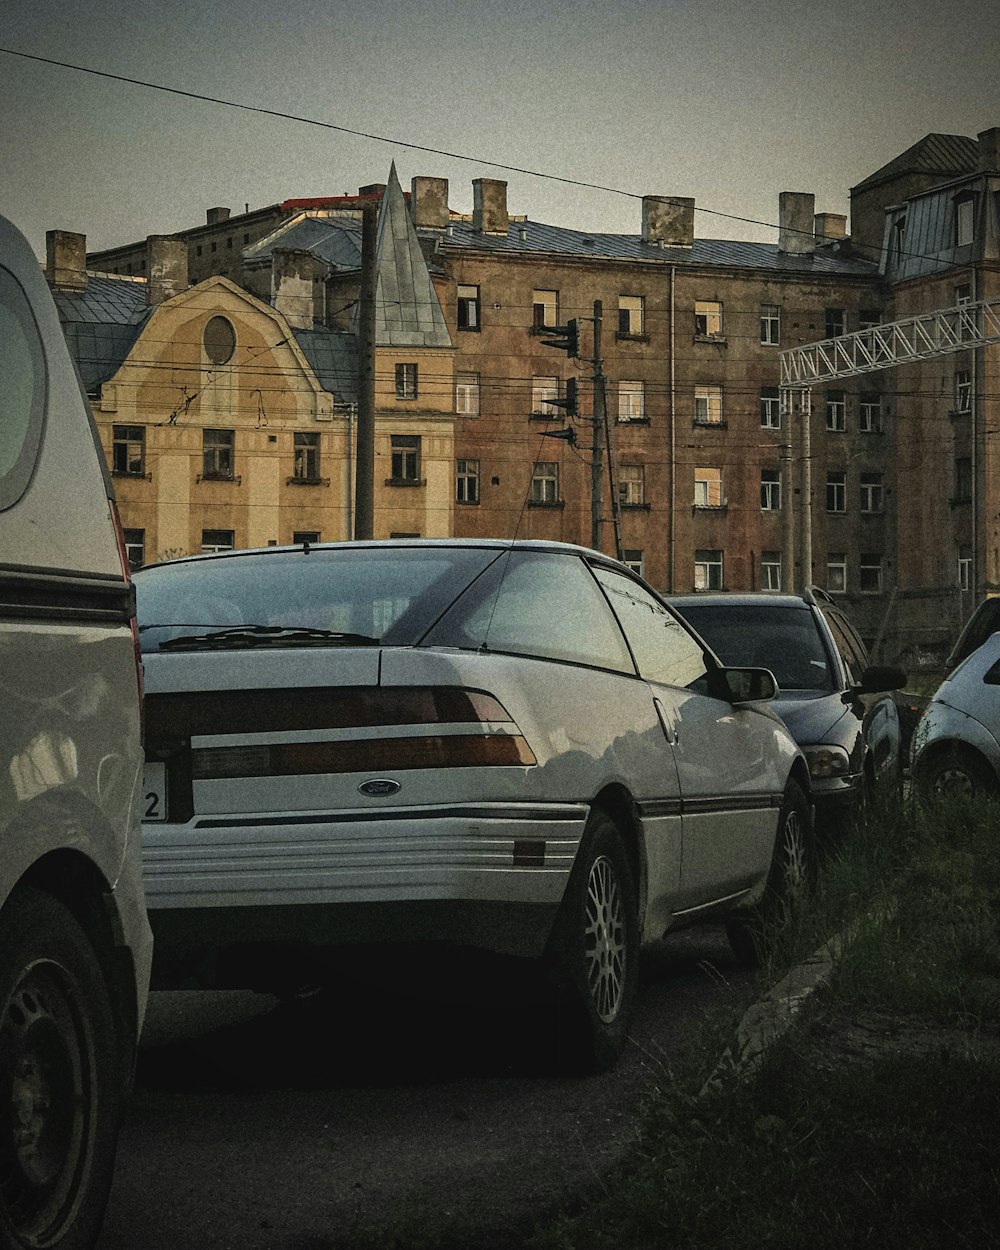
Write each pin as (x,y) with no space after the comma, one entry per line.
(300,596)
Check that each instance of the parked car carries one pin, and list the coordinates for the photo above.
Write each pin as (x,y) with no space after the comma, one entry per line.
(983,622)
(834,702)
(515,747)
(956,745)
(74,938)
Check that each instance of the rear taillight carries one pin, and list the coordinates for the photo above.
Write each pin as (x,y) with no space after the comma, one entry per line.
(133,623)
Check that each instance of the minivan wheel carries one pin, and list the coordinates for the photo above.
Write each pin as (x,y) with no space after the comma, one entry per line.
(954,773)
(789,881)
(592,956)
(59,1096)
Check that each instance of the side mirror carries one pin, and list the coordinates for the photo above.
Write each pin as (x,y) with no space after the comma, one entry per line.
(749,685)
(878,678)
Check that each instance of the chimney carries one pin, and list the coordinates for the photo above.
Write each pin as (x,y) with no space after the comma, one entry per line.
(667,221)
(66,260)
(373,188)
(489,206)
(166,268)
(830,226)
(216,215)
(293,285)
(429,202)
(989,150)
(796,210)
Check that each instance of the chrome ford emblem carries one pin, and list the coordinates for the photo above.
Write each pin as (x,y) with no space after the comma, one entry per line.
(379,787)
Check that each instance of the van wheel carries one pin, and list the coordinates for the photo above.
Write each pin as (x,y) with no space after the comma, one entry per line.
(955,773)
(59,1096)
(789,881)
(593,952)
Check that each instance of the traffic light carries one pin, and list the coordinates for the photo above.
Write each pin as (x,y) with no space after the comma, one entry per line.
(570,402)
(568,339)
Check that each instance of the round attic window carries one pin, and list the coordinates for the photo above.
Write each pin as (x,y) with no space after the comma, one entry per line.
(219,340)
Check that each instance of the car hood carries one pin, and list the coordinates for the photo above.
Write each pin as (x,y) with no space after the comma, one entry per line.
(811,720)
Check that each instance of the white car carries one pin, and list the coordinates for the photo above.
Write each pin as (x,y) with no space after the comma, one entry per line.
(74,938)
(511,746)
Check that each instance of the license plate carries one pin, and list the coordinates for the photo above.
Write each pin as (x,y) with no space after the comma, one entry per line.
(154,801)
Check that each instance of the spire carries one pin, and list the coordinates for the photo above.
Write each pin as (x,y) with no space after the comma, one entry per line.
(407,310)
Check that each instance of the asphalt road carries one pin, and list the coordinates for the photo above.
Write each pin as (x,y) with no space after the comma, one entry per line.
(264,1126)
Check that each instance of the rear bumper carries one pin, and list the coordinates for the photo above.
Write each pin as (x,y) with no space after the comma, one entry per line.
(488,875)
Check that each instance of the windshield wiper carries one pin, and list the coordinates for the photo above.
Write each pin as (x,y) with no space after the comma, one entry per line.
(236,636)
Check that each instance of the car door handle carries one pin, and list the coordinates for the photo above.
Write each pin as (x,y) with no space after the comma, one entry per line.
(669,732)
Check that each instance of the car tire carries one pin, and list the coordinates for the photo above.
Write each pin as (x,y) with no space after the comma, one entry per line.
(789,881)
(953,773)
(593,954)
(60,1097)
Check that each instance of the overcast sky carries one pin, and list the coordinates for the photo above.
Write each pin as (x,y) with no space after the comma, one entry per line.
(728,102)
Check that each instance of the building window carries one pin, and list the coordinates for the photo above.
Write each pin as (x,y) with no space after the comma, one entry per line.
(836,491)
(963,390)
(770,570)
(708,318)
(219,340)
(468,308)
(836,411)
(708,488)
(770,324)
(405,450)
(218,454)
(708,405)
(303,538)
(898,241)
(770,408)
(707,570)
(631,401)
(869,318)
(467,481)
(965,566)
(545,482)
(467,394)
(871,573)
(870,413)
(630,315)
(128,451)
(963,479)
(965,219)
(544,309)
(217,540)
(770,490)
(836,322)
(135,548)
(836,572)
(634,558)
(872,493)
(544,391)
(631,485)
(305,466)
(406,381)
(963,293)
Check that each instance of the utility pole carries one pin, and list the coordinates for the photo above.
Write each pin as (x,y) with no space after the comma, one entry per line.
(364,491)
(600,408)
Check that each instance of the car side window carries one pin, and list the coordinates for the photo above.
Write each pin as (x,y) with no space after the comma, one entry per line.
(664,650)
(22,384)
(533,603)
(850,647)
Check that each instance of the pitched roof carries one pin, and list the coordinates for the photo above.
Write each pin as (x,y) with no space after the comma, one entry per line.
(407,310)
(946,156)
(333,239)
(101,324)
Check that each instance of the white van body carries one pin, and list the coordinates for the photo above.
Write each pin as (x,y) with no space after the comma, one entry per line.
(75,944)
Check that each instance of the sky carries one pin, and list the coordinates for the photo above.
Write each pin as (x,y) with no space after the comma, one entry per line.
(729,103)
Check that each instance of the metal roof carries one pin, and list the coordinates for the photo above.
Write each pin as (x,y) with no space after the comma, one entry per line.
(101,324)
(333,357)
(945,155)
(335,240)
(535,238)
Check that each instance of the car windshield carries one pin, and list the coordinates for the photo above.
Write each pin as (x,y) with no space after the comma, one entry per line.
(303,597)
(783,639)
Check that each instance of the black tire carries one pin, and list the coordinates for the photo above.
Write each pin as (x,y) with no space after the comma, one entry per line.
(789,881)
(954,773)
(60,1098)
(593,954)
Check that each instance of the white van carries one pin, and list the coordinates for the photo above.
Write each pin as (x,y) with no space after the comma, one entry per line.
(75,944)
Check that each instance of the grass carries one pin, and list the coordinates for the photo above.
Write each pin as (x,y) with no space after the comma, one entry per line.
(876,1121)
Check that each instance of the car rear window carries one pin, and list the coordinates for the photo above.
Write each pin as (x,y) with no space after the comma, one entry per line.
(391,594)
(783,639)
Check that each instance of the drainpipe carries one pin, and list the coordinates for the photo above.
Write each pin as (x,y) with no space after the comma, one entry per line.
(977,364)
(671,523)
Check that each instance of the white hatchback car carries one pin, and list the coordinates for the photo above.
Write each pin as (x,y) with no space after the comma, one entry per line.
(511,746)
(74,938)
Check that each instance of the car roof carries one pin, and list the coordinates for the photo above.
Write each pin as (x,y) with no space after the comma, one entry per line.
(731,599)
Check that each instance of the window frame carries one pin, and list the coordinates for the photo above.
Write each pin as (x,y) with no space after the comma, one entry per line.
(467,480)
(405,452)
(631,395)
(407,377)
(710,561)
(770,325)
(468,307)
(770,408)
(708,319)
(872,493)
(836,492)
(468,398)
(709,477)
(836,561)
(770,489)
(121,465)
(869,407)
(545,484)
(631,316)
(631,483)
(836,411)
(711,397)
(306,456)
(218,445)
(770,570)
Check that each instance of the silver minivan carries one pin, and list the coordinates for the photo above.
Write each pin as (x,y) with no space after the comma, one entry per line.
(75,944)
